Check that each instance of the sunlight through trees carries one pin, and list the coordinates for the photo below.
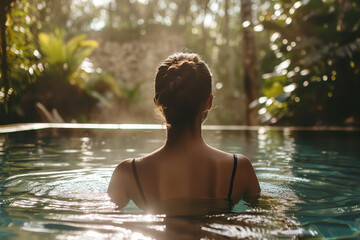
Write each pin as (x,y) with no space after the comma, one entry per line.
(274,62)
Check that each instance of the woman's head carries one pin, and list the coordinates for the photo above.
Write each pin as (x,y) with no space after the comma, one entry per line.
(183,85)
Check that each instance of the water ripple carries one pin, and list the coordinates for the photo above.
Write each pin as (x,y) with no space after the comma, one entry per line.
(56,188)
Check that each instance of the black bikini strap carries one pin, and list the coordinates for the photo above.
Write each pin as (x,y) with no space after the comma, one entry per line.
(138,181)
(232,177)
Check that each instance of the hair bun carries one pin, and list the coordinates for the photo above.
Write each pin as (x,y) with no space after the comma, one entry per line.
(187,66)
(183,84)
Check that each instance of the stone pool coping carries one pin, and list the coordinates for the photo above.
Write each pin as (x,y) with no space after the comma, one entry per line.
(38,126)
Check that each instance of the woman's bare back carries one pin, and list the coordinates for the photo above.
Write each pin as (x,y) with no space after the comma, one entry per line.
(196,172)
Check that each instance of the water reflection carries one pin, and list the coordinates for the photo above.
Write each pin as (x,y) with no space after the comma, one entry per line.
(56,187)
(330,203)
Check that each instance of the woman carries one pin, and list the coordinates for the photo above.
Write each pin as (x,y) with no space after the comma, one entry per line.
(185,168)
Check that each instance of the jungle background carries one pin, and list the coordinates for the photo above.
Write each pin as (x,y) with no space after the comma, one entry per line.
(279,62)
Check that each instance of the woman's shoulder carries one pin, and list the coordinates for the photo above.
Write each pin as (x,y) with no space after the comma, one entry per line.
(124,166)
(222,155)
(127,165)
(243,164)
(242,159)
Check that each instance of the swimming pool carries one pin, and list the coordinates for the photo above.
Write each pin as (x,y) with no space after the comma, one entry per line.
(53,185)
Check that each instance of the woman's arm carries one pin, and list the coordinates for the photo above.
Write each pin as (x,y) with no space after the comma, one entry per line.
(118,186)
(252,193)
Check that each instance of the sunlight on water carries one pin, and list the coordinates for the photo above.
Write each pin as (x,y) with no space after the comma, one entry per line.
(55,187)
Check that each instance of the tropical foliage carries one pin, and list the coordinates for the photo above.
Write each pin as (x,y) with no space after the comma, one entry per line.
(307,54)
(51,68)
(22,65)
(64,58)
(70,81)
(317,51)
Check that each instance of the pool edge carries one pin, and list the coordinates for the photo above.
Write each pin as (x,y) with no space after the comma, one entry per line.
(19,127)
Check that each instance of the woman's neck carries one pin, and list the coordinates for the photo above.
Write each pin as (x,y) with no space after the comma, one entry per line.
(186,136)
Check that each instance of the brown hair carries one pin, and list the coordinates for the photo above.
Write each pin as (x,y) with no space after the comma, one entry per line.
(183,83)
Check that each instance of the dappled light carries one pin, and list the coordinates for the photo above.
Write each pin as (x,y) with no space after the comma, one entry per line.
(313,42)
(55,186)
(77,96)
(94,61)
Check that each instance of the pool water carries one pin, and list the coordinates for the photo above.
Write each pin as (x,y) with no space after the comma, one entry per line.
(53,186)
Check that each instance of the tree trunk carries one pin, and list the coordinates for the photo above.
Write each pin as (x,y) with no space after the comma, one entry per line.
(203,29)
(4,7)
(182,10)
(249,62)
(4,80)
(229,55)
(110,10)
(344,5)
